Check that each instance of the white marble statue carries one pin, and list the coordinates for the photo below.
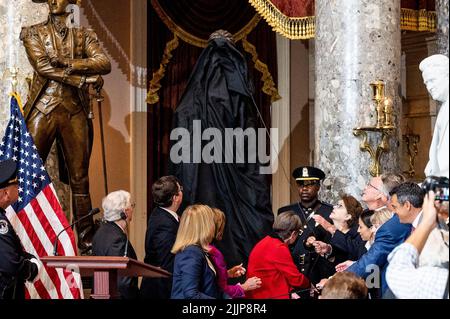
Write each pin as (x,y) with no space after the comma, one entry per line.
(435,76)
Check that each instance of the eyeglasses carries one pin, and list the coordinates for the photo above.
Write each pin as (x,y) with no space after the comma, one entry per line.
(376,188)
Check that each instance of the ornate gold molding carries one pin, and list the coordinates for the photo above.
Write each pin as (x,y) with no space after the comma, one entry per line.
(301,28)
(418,20)
(294,28)
(155,85)
(269,87)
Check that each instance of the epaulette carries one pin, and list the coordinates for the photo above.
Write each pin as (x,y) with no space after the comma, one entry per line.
(31,31)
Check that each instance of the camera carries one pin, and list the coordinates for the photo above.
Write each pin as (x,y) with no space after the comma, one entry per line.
(439,185)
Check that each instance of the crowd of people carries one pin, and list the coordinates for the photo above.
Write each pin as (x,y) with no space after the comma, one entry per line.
(394,248)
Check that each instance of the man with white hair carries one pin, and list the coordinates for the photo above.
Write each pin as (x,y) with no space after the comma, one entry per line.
(111,238)
(435,76)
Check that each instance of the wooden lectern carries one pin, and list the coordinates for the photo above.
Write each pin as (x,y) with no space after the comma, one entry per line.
(105,271)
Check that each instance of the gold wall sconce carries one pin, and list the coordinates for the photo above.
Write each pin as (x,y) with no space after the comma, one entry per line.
(412,141)
(384,127)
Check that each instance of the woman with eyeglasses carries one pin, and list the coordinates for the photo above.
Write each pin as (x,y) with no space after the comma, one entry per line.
(346,243)
(272,261)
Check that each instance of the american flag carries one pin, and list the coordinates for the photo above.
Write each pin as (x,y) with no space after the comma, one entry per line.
(37,216)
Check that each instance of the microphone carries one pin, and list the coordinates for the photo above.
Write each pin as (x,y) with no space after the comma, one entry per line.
(55,244)
(124,217)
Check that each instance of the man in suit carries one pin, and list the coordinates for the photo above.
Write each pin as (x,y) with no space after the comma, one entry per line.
(66,61)
(161,234)
(310,263)
(375,196)
(111,238)
(418,268)
(388,236)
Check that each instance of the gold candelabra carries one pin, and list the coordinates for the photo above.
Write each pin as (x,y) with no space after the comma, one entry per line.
(412,141)
(384,126)
(14,71)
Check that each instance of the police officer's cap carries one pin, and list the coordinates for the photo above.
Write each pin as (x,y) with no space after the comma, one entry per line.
(308,173)
(8,170)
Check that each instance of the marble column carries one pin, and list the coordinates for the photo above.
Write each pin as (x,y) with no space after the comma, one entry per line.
(442,26)
(357,42)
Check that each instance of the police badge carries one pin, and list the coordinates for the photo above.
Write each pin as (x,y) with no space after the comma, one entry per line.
(3,227)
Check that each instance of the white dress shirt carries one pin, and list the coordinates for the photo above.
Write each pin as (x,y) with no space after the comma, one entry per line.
(175,215)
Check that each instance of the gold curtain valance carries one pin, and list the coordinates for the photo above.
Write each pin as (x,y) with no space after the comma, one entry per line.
(193,39)
(181,33)
(300,28)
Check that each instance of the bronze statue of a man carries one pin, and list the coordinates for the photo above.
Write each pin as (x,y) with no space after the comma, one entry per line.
(66,61)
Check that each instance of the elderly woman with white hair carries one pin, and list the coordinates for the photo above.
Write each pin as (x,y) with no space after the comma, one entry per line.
(111,238)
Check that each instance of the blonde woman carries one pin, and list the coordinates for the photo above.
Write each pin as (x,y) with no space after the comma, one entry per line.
(194,276)
(381,216)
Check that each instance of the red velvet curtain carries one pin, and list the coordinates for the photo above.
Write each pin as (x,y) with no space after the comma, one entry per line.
(295,8)
(303,8)
(429,5)
(180,67)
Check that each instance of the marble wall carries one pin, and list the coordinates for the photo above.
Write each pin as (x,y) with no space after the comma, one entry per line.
(357,42)
(442,7)
(13,15)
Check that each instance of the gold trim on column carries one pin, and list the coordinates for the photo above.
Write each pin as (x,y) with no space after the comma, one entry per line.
(269,85)
(294,28)
(155,85)
(418,20)
(301,28)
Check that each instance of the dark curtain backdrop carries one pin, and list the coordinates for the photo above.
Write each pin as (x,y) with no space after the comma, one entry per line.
(428,5)
(178,70)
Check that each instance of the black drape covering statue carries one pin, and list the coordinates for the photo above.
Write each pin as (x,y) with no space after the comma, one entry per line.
(219,96)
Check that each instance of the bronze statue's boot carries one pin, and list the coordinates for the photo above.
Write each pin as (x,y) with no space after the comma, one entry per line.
(85,228)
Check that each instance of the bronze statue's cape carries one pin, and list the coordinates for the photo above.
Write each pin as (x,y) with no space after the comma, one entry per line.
(219,95)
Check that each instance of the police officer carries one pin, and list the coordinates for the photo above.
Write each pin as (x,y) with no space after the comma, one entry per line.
(16,265)
(309,263)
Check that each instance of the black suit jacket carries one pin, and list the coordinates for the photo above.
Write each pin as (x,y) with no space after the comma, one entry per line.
(110,240)
(15,264)
(308,262)
(349,246)
(161,234)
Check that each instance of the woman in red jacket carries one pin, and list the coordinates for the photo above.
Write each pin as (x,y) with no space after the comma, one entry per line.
(271,261)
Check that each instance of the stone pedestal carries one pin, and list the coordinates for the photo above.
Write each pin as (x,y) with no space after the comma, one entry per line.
(442,26)
(357,42)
